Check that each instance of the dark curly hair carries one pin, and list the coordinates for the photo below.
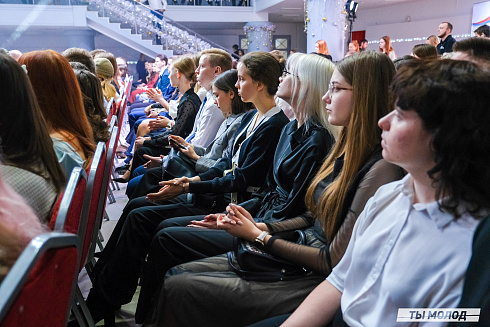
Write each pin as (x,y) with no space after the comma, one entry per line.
(451,97)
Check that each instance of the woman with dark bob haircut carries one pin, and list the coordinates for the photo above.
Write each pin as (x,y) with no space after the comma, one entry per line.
(60,100)
(411,245)
(30,164)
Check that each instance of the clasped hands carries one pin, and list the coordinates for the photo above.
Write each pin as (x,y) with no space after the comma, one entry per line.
(237,222)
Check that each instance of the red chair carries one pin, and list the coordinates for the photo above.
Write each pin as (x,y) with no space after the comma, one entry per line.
(38,288)
(70,206)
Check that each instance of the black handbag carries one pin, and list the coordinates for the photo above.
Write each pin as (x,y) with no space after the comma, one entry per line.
(254,264)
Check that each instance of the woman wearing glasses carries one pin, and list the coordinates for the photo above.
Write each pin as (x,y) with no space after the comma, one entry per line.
(350,175)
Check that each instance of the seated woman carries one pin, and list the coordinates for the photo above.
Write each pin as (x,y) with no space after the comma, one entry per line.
(252,157)
(18,225)
(411,245)
(105,73)
(93,101)
(31,167)
(350,175)
(183,76)
(60,100)
(191,160)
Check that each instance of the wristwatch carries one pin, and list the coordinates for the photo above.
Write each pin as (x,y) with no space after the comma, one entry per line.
(169,125)
(259,240)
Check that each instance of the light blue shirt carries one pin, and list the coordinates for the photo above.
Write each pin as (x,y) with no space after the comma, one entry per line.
(208,120)
(67,156)
(402,255)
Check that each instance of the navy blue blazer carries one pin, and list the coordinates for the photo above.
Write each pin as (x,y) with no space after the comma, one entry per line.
(254,162)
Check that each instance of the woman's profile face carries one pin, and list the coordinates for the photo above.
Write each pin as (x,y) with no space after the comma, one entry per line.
(338,100)
(285,89)
(317,48)
(352,47)
(247,87)
(223,100)
(173,76)
(382,44)
(405,141)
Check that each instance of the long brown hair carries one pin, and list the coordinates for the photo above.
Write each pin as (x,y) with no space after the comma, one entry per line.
(358,140)
(24,136)
(388,47)
(59,97)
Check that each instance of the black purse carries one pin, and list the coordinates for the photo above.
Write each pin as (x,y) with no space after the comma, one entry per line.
(254,264)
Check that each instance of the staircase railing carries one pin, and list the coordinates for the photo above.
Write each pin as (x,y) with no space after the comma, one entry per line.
(152,24)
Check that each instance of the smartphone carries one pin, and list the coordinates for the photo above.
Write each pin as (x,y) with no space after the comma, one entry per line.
(175,143)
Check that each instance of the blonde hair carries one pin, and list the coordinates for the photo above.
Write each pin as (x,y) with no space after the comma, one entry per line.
(105,71)
(433,40)
(313,74)
(357,141)
(218,57)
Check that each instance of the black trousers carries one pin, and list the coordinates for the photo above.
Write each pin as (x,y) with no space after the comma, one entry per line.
(148,183)
(174,243)
(119,267)
(139,160)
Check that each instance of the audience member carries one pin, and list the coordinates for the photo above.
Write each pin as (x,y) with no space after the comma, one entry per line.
(432,40)
(401,61)
(418,231)
(80,55)
(350,175)
(353,48)
(483,31)
(424,51)
(18,225)
(447,40)
(363,44)
(473,49)
(61,103)
(116,74)
(142,69)
(105,73)
(30,165)
(93,101)
(386,48)
(322,48)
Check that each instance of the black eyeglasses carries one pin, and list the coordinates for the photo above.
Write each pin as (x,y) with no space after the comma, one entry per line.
(333,88)
(285,73)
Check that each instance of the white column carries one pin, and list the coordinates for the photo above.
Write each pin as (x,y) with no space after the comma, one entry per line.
(259,35)
(325,20)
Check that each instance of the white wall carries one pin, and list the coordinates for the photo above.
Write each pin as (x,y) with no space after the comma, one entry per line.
(424,16)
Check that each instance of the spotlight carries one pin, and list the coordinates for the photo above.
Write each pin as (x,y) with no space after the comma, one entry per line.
(351,9)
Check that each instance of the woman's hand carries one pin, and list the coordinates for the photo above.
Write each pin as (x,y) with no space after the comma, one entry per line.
(209,222)
(178,139)
(237,224)
(159,123)
(166,193)
(139,142)
(181,180)
(189,152)
(155,94)
(152,161)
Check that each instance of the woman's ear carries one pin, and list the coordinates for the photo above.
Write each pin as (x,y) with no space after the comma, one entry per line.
(260,86)
(231,94)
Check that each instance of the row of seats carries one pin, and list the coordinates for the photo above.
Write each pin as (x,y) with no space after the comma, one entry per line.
(48,268)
